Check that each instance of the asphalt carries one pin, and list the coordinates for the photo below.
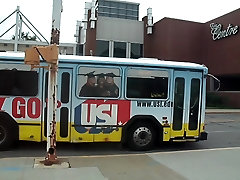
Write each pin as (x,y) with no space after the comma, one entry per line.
(209,164)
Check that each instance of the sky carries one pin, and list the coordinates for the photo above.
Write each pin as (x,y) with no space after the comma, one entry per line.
(39,12)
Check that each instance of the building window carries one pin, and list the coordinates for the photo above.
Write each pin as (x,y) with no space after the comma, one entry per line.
(16,83)
(118,9)
(229,83)
(136,50)
(119,49)
(122,5)
(122,11)
(79,49)
(102,48)
(99,82)
(147,84)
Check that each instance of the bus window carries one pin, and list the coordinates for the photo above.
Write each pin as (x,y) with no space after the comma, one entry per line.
(194,104)
(16,83)
(65,87)
(99,82)
(178,103)
(147,84)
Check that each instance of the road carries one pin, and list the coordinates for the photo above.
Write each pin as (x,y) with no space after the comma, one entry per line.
(223,129)
(216,158)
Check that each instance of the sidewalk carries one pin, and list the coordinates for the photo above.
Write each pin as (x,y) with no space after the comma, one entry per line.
(177,165)
(222,111)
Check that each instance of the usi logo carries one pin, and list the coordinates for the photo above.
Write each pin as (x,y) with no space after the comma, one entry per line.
(101,113)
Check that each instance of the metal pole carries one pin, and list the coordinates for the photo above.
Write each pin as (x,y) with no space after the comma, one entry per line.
(56,20)
(51,115)
(16,31)
(52,88)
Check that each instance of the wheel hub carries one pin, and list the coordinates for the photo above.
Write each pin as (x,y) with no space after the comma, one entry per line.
(142,136)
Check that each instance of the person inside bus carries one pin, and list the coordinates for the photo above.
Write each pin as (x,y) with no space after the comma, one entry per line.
(110,86)
(101,81)
(89,89)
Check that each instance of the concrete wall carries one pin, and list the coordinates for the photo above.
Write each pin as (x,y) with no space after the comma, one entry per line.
(119,30)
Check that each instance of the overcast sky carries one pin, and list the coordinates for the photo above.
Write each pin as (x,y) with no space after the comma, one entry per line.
(39,12)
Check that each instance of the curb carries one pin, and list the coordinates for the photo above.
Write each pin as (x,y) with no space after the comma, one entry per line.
(222,111)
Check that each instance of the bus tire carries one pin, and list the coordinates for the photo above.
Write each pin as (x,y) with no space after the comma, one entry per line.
(6,136)
(141,136)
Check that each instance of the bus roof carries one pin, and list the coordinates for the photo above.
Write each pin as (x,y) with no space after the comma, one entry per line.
(147,62)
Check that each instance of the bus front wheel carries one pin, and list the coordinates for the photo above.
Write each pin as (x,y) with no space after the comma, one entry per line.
(141,136)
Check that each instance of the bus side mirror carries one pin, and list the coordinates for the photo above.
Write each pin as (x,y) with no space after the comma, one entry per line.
(214,83)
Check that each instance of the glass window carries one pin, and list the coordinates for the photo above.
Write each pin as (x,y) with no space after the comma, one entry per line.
(100,9)
(98,82)
(122,5)
(106,10)
(114,10)
(101,2)
(119,49)
(131,17)
(135,13)
(136,50)
(79,49)
(114,4)
(102,48)
(228,83)
(147,84)
(65,88)
(64,115)
(18,83)
(135,7)
(113,15)
(122,16)
(122,11)
(194,104)
(107,3)
(129,12)
(130,6)
(178,103)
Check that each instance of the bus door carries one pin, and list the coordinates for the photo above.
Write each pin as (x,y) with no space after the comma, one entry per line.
(64,82)
(187,104)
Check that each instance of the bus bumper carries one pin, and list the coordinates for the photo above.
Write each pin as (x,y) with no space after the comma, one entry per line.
(203,136)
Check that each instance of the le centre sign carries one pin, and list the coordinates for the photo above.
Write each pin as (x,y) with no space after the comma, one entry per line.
(218,33)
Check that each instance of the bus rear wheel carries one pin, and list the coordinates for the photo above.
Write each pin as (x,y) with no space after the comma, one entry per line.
(141,136)
(6,138)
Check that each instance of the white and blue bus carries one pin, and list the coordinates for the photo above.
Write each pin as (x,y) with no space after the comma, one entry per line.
(134,101)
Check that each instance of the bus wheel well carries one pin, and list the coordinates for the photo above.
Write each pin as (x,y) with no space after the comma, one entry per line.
(146,119)
(9,131)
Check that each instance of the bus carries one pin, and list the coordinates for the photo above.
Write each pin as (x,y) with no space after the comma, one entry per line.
(138,102)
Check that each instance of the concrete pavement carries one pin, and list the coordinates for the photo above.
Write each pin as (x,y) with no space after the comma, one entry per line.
(206,164)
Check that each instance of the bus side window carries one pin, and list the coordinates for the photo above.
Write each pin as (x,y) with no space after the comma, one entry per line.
(16,83)
(99,82)
(147,84)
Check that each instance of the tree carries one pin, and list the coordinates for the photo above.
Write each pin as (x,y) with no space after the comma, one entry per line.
(26,37)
